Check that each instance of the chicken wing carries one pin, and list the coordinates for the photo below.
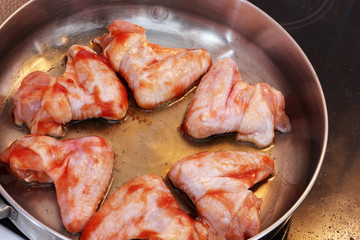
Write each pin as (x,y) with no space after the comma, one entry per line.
(224,103)
(143,209)
(80,169)
(217,183)
(89,88)
(155,74)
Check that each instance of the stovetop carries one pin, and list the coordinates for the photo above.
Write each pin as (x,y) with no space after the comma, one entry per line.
(328,31)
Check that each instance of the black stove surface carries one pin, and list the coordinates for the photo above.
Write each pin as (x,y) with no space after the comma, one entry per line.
(328,31)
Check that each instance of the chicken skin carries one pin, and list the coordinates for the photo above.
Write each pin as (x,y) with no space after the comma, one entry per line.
(223,103)
(80,169)
(217,183)
(89,88)
(143,209)
(155,74)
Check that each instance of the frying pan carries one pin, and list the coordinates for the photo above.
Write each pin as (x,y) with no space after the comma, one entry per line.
(38,36)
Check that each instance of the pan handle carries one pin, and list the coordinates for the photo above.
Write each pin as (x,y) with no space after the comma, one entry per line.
(27,226)
(7,211)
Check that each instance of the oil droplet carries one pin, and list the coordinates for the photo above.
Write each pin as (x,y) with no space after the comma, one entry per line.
(159,13)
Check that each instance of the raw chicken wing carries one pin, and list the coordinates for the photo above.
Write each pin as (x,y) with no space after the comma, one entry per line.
(143,209)
(89,88)
(217,183)
(155,74)
(80,169)
(223,103)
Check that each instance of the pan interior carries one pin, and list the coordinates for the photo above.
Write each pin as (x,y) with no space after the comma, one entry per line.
(151,141)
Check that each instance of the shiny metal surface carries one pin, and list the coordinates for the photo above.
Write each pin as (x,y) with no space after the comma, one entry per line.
(38,36)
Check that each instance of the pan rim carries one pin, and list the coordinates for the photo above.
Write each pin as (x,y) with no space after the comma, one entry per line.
(310,183)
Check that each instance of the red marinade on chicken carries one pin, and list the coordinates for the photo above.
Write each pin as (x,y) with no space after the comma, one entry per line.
(218,184)
(80,169)
(223,103)
(89,88)
(155,74)
(143,209)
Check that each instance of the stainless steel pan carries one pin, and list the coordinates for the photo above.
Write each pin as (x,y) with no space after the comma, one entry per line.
(38,35)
